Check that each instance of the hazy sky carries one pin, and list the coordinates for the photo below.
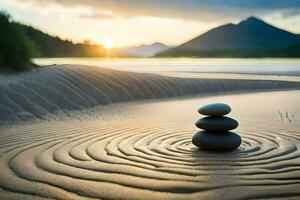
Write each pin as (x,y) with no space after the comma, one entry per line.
(133,22)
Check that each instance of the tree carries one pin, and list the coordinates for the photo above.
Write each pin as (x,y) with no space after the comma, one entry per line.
(15,49)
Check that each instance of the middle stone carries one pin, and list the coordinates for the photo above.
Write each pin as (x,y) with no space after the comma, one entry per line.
(217,123)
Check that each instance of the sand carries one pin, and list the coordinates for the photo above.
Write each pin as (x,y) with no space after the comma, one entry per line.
(142,149)
(44,92)
(145,152)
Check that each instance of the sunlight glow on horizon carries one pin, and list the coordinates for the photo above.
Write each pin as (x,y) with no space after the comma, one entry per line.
(108,43)
(79,23)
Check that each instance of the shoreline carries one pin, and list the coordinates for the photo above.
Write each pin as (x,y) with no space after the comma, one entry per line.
(46,91)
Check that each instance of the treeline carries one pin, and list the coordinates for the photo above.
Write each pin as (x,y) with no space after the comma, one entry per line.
(289,52)
(49,46)
(19,43)
(15,48)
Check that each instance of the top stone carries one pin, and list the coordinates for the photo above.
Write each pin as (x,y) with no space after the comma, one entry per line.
(215,109)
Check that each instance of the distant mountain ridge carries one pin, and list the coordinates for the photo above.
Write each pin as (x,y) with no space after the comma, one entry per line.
(143,50)
(249,38)
(53,46)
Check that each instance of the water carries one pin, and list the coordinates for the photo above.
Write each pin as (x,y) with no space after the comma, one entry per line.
(225,65)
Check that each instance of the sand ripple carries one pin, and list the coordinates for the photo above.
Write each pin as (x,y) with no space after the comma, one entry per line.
(150,158)
(46,91)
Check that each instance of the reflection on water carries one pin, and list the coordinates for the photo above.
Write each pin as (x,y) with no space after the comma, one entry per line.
(272,66)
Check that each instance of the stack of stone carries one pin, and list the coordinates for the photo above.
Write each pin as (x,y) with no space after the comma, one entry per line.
(216,135)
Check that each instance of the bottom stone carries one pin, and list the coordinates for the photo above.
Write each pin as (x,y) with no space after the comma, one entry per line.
(217,141)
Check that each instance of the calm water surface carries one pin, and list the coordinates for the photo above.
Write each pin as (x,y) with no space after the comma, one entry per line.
(268,66)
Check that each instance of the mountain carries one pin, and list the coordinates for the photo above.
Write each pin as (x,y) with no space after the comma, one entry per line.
(249,38)
(51,46)
(143,50)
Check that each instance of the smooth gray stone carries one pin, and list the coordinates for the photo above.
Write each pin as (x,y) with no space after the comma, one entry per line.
(217,123)
(215,109)
(216,142)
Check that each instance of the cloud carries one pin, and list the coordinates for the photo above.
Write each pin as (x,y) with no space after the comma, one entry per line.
(183,9)
(290,12)
(99,14)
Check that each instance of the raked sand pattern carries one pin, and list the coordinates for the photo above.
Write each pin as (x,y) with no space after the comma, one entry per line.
(49,90)
(148,154)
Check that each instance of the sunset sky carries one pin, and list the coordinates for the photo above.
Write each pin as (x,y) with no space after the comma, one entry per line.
(134,22)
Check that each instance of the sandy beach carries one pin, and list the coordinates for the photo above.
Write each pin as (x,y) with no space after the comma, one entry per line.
(75,132)
(45,92)
(149,100)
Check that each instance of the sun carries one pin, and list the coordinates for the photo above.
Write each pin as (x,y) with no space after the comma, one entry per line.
(108,43)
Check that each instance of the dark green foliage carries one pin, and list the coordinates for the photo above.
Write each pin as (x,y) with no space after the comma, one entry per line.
(15,49)
(49,46)
(18,43)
